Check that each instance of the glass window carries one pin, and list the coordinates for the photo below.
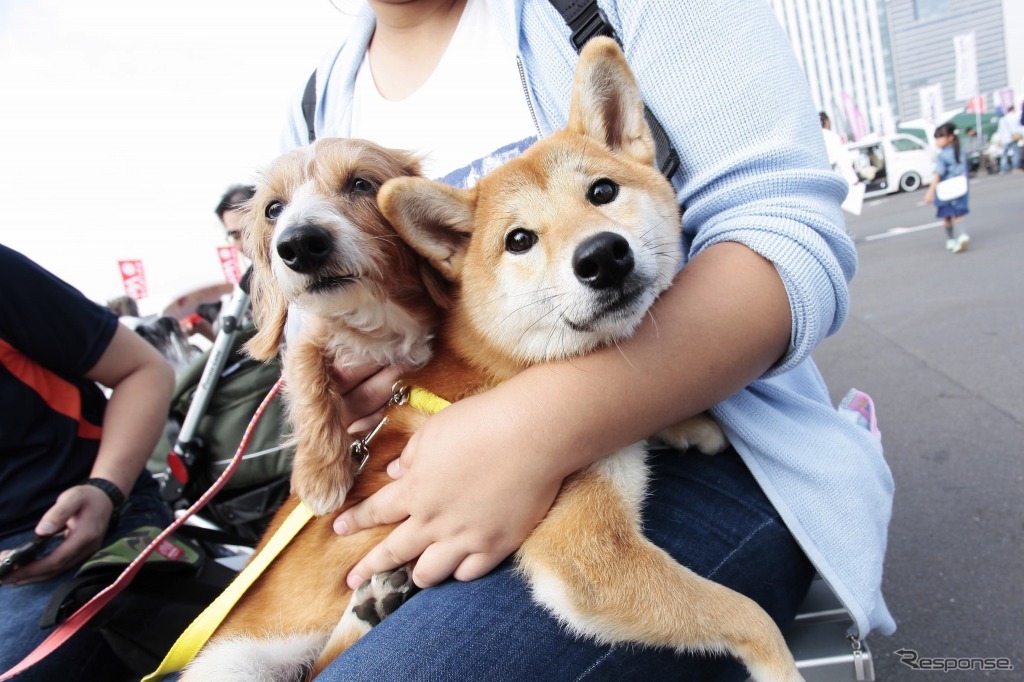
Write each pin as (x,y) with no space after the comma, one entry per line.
(902,144)
(926,9)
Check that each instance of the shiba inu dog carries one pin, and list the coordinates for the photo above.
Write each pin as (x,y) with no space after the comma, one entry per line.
(555,253)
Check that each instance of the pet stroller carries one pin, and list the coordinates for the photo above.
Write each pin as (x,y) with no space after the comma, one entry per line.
(213,403)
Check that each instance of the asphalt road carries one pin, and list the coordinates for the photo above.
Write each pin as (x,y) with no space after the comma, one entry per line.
(937,339)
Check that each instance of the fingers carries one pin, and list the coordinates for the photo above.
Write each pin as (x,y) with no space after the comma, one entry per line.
(437,563)
(75,548)
(384,506)
(476,566)
(403,545)
(56,517)
(85,512)
(365,424)
(365,389)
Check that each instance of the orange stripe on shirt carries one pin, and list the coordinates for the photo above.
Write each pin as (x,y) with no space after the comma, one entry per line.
(60,395)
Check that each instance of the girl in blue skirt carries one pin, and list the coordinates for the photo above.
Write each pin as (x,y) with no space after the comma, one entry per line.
(950,164)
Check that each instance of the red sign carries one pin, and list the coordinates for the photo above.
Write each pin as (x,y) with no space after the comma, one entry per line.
(168,550)
(134,278)
(976,104)
(229,264)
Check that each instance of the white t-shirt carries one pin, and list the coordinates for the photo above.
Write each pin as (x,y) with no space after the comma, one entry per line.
(838,155)
(461,132)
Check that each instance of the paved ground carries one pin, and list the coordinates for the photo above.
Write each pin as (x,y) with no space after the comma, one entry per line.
(937,339)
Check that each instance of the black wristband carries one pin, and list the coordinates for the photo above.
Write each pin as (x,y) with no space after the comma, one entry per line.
(112,491)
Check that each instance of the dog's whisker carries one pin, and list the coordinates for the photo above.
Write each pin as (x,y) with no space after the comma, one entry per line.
(654,320)
(530,303)
(625,357)
(498,297)
(536,321)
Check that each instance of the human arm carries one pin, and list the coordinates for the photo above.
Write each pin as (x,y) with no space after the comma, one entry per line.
(941,169)
(142,382)
(929,196)
(470,503)
(764,191)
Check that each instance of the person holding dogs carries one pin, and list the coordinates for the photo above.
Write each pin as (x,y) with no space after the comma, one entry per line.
(470,83)
(72,461)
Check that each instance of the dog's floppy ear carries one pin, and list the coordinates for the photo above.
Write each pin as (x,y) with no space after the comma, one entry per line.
(433,218)
(606,102)
(269,312)
(269,307)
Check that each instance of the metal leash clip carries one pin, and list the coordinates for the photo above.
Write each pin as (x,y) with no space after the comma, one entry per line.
(399,394)
(359,451)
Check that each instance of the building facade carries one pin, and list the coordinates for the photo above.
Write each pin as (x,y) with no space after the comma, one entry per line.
(845,50)
(871,64)
(923,33)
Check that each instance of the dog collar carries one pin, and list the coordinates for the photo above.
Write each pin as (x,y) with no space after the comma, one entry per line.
(417,397)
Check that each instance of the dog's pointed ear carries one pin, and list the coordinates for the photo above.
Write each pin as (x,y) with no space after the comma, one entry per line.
(606,102)
(431,217)
(269,313)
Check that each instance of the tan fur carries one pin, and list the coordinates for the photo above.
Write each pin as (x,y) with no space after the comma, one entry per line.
(588,561)
(317,186)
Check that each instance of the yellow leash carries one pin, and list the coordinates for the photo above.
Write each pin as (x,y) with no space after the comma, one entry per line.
(422,399)
(202,628)
(199,631)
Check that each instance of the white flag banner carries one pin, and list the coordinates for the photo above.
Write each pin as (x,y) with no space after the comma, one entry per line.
(931,103)
(966,66)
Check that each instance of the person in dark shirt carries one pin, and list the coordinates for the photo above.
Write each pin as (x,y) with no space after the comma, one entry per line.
(71,460)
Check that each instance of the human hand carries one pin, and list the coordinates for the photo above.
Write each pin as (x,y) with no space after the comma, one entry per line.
(197,324)
(365,391)
(929,196)
(85,512)
(467,493)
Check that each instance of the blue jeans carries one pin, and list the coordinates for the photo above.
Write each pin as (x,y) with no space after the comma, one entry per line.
(708,512)
(1011,152)
(85,657)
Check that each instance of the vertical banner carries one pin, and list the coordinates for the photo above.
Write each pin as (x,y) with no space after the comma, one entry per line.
(229,264)
(931,103)
(1003,99)
(854,117)
(134,278)
(966,66)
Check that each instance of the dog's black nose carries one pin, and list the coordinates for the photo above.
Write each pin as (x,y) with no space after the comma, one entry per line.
(304,248)
(603,260)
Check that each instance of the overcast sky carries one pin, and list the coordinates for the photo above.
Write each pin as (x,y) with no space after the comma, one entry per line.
(123,121)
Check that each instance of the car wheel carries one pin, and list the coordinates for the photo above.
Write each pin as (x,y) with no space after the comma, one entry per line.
(910,182)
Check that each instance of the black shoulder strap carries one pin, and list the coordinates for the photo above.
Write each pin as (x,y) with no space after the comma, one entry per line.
(586,20)
(309,106)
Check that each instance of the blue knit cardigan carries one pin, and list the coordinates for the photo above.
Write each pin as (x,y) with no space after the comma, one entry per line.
(721,77)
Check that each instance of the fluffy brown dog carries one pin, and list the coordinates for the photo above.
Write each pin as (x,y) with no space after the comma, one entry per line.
(320,245)
(553,254)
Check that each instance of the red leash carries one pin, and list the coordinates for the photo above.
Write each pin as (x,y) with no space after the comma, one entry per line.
(75,621)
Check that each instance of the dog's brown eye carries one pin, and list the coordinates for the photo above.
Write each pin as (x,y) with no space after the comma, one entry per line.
(362,185)
(273,210)
(520,240)
(603,191)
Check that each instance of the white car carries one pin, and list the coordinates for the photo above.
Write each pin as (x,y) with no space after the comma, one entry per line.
(895,163)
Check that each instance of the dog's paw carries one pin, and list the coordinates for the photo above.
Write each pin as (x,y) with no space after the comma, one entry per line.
(382,594)
(322,488)
(701,432)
